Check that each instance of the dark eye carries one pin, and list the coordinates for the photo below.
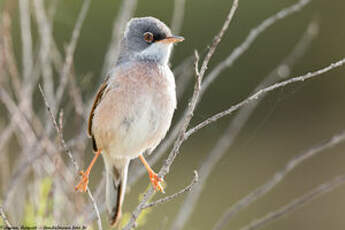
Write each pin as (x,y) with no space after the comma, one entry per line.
(148,37)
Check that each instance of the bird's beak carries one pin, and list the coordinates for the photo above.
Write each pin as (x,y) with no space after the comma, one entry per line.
(172,39)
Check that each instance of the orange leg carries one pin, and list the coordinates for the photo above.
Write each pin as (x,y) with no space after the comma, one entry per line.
(85,175)
(155,180)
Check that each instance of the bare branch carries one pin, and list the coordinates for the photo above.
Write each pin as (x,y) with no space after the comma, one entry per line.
(254,33)
(9,57)
(26,39)
(261,92)
(77,97)
(70,52)
(297,203)
(278,177)
(17,115)
(69,154)
(173,196)
(45,33)
(58,131)
(4,218)
(234,127)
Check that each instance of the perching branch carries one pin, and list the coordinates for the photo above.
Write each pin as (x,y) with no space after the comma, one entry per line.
(229,61)
(189,114)
(69,154)
(165,168)
(173,196)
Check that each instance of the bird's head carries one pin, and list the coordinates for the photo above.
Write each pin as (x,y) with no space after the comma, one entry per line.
(147,39)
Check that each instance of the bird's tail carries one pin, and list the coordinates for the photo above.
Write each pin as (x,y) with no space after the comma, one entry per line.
(116,182)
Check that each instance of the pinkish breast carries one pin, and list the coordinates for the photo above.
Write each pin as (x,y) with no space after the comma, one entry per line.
(136,111)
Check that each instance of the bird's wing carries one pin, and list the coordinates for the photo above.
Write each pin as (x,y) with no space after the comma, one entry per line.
(99,96)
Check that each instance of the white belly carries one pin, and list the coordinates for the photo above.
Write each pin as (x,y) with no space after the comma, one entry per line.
(143,128)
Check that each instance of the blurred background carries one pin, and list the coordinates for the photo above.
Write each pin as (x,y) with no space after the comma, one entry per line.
(37,178)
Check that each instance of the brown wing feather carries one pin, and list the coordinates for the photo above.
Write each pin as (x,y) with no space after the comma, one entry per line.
(97,100)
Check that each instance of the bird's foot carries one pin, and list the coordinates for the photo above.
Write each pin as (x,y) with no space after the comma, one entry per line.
(156,181)
(82,186)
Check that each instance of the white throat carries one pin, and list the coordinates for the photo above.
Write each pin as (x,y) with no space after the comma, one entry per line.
(157,52)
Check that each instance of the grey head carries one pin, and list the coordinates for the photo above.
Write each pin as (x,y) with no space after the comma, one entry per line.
(147,39)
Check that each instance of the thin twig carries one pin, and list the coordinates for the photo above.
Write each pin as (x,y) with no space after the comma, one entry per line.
(58,131)
(4,217)
(234,128)
(26,39)
(17,115)
(278,177)
(69,154)
(297,203)
(45,32)
(27,57)
(261,92)
(173,196)
(9,57)
(254,33)
(70,52)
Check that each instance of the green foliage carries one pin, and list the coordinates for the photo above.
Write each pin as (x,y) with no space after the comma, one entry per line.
(40,213)
(29,214)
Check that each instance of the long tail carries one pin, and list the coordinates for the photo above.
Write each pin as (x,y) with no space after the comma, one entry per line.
(116,182)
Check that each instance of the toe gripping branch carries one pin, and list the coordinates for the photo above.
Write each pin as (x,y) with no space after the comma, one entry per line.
(155,180)
(82,186)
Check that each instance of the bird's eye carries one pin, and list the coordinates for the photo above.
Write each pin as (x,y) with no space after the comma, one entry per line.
(148,37)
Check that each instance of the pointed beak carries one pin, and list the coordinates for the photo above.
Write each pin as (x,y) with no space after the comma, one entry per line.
(172,39)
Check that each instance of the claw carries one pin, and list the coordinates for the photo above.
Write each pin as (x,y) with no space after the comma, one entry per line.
(156,182)
(82,186)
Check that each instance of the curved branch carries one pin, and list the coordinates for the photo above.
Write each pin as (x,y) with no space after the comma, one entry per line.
(278,177)
(262,92)
(297,203)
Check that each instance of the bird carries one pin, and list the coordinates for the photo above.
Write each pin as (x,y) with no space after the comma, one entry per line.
(133,108)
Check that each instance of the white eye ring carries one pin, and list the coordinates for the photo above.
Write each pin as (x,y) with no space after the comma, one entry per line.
(148,37)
